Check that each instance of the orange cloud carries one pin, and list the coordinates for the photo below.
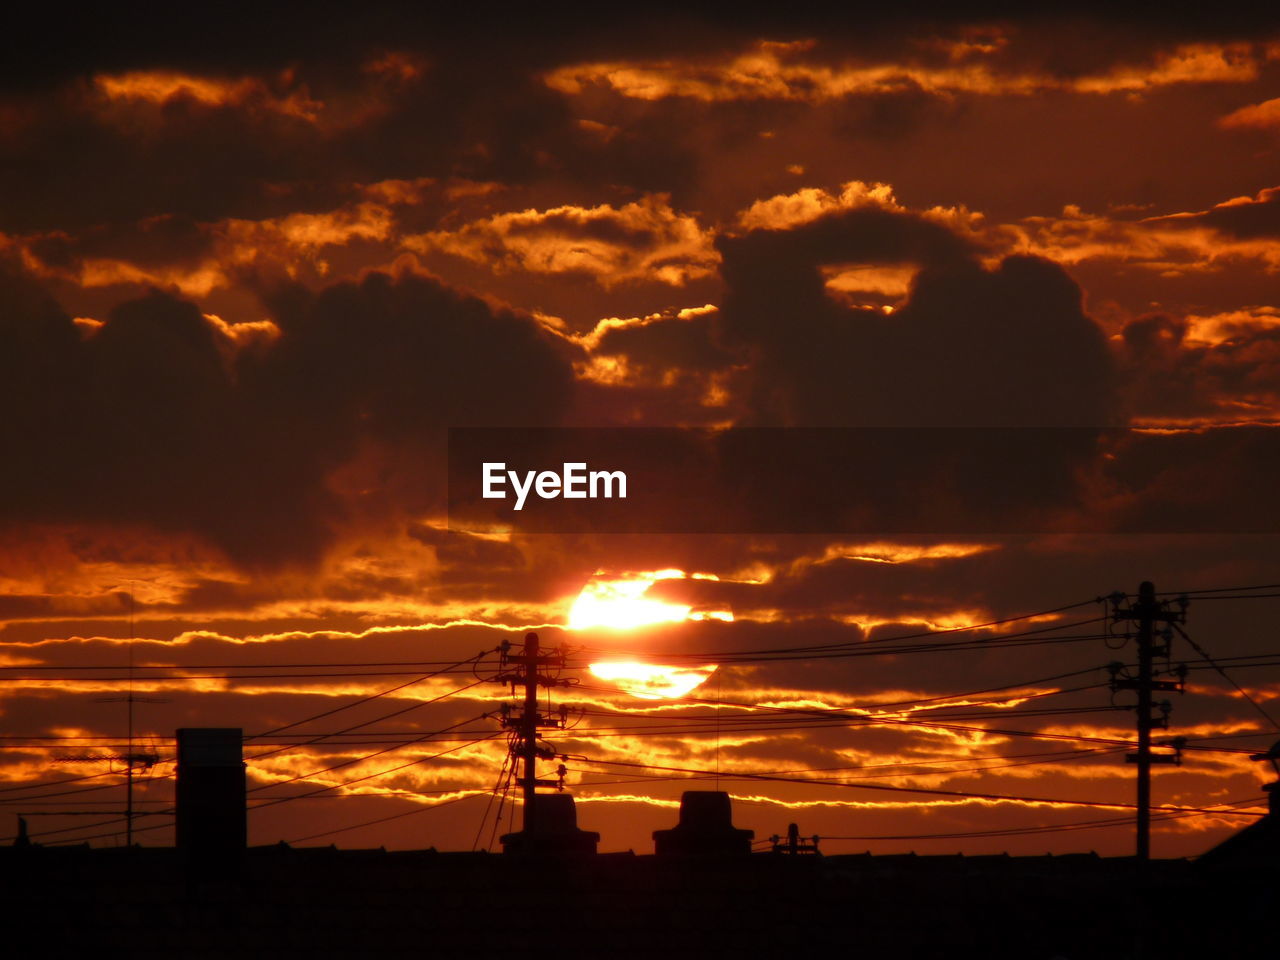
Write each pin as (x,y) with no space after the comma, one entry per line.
(1170,244)
(592,338)
(135,95)
(162,86)
(793,209)
(615,355)
(1223,328)
(642,241)
(779,71)
(789,210)
(1258,116)
(291,242)
(875,285)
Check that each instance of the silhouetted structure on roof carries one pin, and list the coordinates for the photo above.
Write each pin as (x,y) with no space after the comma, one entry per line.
(555,830)
(1256,847)
(1272,757)
(210,793)
(705,828)
(794,844)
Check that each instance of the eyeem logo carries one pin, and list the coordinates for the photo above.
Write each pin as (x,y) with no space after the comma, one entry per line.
(573,482)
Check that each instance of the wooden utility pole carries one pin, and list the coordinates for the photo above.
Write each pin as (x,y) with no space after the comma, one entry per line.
(529,722)
(1152,642)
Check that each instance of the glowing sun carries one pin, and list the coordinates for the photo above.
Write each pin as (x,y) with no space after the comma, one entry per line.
(620,603)
(652,681)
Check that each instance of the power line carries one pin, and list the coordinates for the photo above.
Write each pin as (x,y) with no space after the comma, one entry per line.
(1032,760)
(722,655)
(387,716)
(369,756)
(864,648)
(394,816)
(84,790)
(876,720)
(371,776)
(497,785)
(969,795)
(1207,590)
(33,786)
(278,800)
(1243,596)
(1047,828)
(444,664)
(1216,666)
(364,700)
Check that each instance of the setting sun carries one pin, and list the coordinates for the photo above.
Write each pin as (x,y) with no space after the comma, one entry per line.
(621,604)
(651,681)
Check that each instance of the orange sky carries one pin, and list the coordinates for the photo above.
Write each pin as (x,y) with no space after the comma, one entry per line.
(245,293)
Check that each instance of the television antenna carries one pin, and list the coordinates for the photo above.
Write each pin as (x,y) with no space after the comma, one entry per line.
(133,758)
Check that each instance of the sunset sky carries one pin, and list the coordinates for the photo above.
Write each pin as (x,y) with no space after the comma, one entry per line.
(251,275)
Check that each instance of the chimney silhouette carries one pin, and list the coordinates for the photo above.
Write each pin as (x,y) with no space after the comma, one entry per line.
(705,828)
(211,793)
(555,830)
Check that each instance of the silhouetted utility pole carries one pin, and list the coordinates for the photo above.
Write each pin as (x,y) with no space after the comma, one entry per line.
(1153,641)
(527,724)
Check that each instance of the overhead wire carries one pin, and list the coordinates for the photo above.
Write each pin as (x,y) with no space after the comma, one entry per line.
(369,756)
(1225,676)
(394,816)
(934,791)
(1046,828)
(368,699)
(872,719)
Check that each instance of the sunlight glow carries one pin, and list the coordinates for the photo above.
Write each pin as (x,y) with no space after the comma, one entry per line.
(651,681)
(621,604)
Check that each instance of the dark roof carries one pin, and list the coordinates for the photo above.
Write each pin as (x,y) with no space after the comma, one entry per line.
(1255,847)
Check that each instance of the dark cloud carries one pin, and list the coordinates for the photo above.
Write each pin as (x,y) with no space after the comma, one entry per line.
(154,419)
(970,347)
(463,555)
(158,240)
(1166,375)
(1247,220)
(667,342)
(301,145)
(475,106)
